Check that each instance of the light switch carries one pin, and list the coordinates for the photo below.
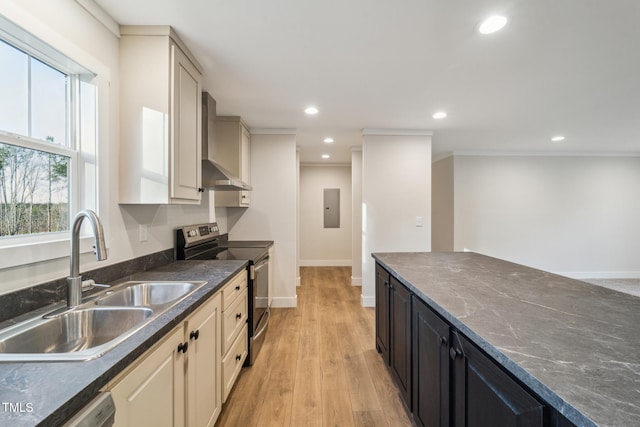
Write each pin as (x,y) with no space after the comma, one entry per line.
(418,221)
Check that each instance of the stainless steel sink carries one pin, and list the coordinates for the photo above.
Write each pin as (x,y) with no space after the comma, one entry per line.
(91,329)
(147,294)
(80,334)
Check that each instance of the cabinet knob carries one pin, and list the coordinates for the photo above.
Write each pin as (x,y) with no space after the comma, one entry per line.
(238,288)
(182,347)
(194,335)
(238,316)
(200,190)
(454,353)
(443,341)
(238,357)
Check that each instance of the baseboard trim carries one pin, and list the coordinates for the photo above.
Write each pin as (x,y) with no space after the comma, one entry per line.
(367,301)
(284,302)
(325,263)
(356,281)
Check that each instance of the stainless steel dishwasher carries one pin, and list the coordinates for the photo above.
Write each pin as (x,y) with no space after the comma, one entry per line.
(100,412)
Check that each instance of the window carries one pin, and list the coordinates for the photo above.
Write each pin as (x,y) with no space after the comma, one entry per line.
(48,127)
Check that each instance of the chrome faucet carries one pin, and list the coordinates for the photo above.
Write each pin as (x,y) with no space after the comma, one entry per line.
(74,281)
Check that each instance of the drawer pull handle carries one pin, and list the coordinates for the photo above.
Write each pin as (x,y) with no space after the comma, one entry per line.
(238,357)
(443,341)
(238,288)
(182,347)
(238,316)
(194,335)
(454,353)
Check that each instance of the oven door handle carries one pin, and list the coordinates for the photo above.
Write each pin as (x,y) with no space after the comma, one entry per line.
(265,317)
(253,269)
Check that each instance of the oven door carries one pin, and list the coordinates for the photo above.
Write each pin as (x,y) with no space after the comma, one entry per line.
(260,284)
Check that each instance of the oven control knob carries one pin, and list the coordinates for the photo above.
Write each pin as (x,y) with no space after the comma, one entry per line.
(192,233)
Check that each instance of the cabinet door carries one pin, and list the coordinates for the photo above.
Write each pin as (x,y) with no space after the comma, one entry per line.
(204,376)
(400,338)
(152,394)
(485,396)
(382,312)
(186,128)
(245,166)
(430,367)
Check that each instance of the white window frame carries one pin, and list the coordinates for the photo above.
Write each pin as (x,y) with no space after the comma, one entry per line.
(28,249)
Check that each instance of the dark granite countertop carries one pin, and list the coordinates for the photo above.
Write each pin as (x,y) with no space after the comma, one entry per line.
(249,244)
(49,393)
(575,344)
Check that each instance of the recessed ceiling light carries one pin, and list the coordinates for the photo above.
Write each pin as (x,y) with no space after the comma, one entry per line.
(492,24)
(328,140)
(557,138)
(311,111)
(439,115)
(325,156)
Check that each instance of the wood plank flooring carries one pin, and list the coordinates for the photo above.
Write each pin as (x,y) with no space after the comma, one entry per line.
(318,365)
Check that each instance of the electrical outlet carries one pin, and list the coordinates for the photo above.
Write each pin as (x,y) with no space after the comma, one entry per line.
(418,221)
(143,232)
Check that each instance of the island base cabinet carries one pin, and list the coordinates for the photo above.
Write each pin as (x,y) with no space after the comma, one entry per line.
(400,338)
(382,312)
(430,367)
(485,396)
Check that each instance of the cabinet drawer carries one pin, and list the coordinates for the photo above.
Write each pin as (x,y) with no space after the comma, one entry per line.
(233,289)
(232,363)
(234,320)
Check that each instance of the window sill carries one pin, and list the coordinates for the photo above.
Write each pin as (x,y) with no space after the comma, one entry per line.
(33,252)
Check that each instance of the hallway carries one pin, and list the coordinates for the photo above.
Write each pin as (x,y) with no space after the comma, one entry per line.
(318,366)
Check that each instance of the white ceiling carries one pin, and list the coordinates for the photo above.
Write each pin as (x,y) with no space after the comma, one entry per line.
(569,67)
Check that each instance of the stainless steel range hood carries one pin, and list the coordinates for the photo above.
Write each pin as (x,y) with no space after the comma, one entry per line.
(215,176)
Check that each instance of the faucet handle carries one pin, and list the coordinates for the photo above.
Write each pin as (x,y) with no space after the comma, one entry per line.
(90,284)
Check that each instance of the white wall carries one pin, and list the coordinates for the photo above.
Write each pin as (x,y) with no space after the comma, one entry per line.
(68,27)
(396,189)
(321,246)
(272,214)
(577,216)
(356,217)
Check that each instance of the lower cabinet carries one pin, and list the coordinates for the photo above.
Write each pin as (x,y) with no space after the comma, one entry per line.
(382,312)
(485,395)
(444,378)
(177,382)
(430,367)
(400,338)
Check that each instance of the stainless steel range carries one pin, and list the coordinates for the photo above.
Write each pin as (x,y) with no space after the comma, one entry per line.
(204,242)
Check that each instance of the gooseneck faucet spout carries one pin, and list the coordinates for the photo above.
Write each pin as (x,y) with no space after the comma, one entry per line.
(74,281)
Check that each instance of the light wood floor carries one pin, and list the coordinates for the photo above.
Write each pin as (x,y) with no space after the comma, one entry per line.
(318,365)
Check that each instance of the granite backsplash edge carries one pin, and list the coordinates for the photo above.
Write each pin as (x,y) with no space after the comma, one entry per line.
(29,299)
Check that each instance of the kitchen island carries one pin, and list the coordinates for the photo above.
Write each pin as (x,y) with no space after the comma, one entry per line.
(48,393)
(574,346)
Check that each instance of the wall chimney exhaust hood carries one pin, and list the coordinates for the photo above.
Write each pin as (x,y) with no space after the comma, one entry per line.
(214,175)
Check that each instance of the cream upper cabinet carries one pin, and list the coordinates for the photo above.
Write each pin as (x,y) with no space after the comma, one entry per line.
(233,152)
(160,118)
(179,381)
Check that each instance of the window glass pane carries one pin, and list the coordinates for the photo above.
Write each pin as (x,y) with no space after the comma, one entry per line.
(48,103)
(14,90)
(34,191)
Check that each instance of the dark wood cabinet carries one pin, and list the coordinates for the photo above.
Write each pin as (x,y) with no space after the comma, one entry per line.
(443,377)
(431,372)
(382,312)
(485,396)
(400,338)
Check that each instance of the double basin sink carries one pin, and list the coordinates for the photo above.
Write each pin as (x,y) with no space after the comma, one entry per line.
(93,328)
